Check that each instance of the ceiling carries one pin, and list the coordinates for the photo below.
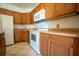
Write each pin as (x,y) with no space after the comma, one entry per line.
(19,7)
(24,5)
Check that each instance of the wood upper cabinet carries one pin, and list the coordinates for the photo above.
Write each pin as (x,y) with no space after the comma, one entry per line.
(69,7)
(17,18)
(32,17)
(64,8)
(6,12)
(0,10)
(3,11)
(77,7)
(44,41)
(24,18)
(49,10)
(59,9)
(29,18)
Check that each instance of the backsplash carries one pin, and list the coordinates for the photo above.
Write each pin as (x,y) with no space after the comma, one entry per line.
(69,22)
(19,26)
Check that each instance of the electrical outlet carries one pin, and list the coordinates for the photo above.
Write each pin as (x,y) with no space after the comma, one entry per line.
(57,26)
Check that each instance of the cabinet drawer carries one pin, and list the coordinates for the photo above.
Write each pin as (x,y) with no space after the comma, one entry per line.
(67,41)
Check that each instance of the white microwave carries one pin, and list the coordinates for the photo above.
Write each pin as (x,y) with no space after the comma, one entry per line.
(39,15)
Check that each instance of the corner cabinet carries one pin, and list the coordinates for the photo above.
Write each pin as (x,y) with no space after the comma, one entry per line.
(21,35)
(58,45)
(25,35)
(26,18)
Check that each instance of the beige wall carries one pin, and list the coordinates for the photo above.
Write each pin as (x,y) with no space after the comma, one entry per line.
(70,22)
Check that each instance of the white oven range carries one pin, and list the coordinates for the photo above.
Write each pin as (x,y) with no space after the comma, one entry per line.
(35,41)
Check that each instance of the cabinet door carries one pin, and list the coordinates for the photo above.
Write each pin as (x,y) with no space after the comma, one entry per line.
(17,35)
(28,36)
(2,48)
(8,12)
(32,17)
(59,9)
(0,10)
(17,18)
(24,35)
(44,43)
(24,18)
(69,7)
(44,47)
(28,18)
(4,11)
(49,10)
(58,50)
(78,7)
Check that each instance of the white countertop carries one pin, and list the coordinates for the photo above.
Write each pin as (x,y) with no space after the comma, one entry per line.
(68,34)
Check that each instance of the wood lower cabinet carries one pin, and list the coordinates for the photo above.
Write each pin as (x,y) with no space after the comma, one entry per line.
(2,45)
(25,35)
(17,35)
(58,45)
(44,41)
(21,35)
(58,50)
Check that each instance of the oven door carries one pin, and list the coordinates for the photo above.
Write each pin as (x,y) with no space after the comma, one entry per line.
(33,38)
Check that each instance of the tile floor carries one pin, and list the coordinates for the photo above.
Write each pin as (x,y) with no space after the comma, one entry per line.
(20,49)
